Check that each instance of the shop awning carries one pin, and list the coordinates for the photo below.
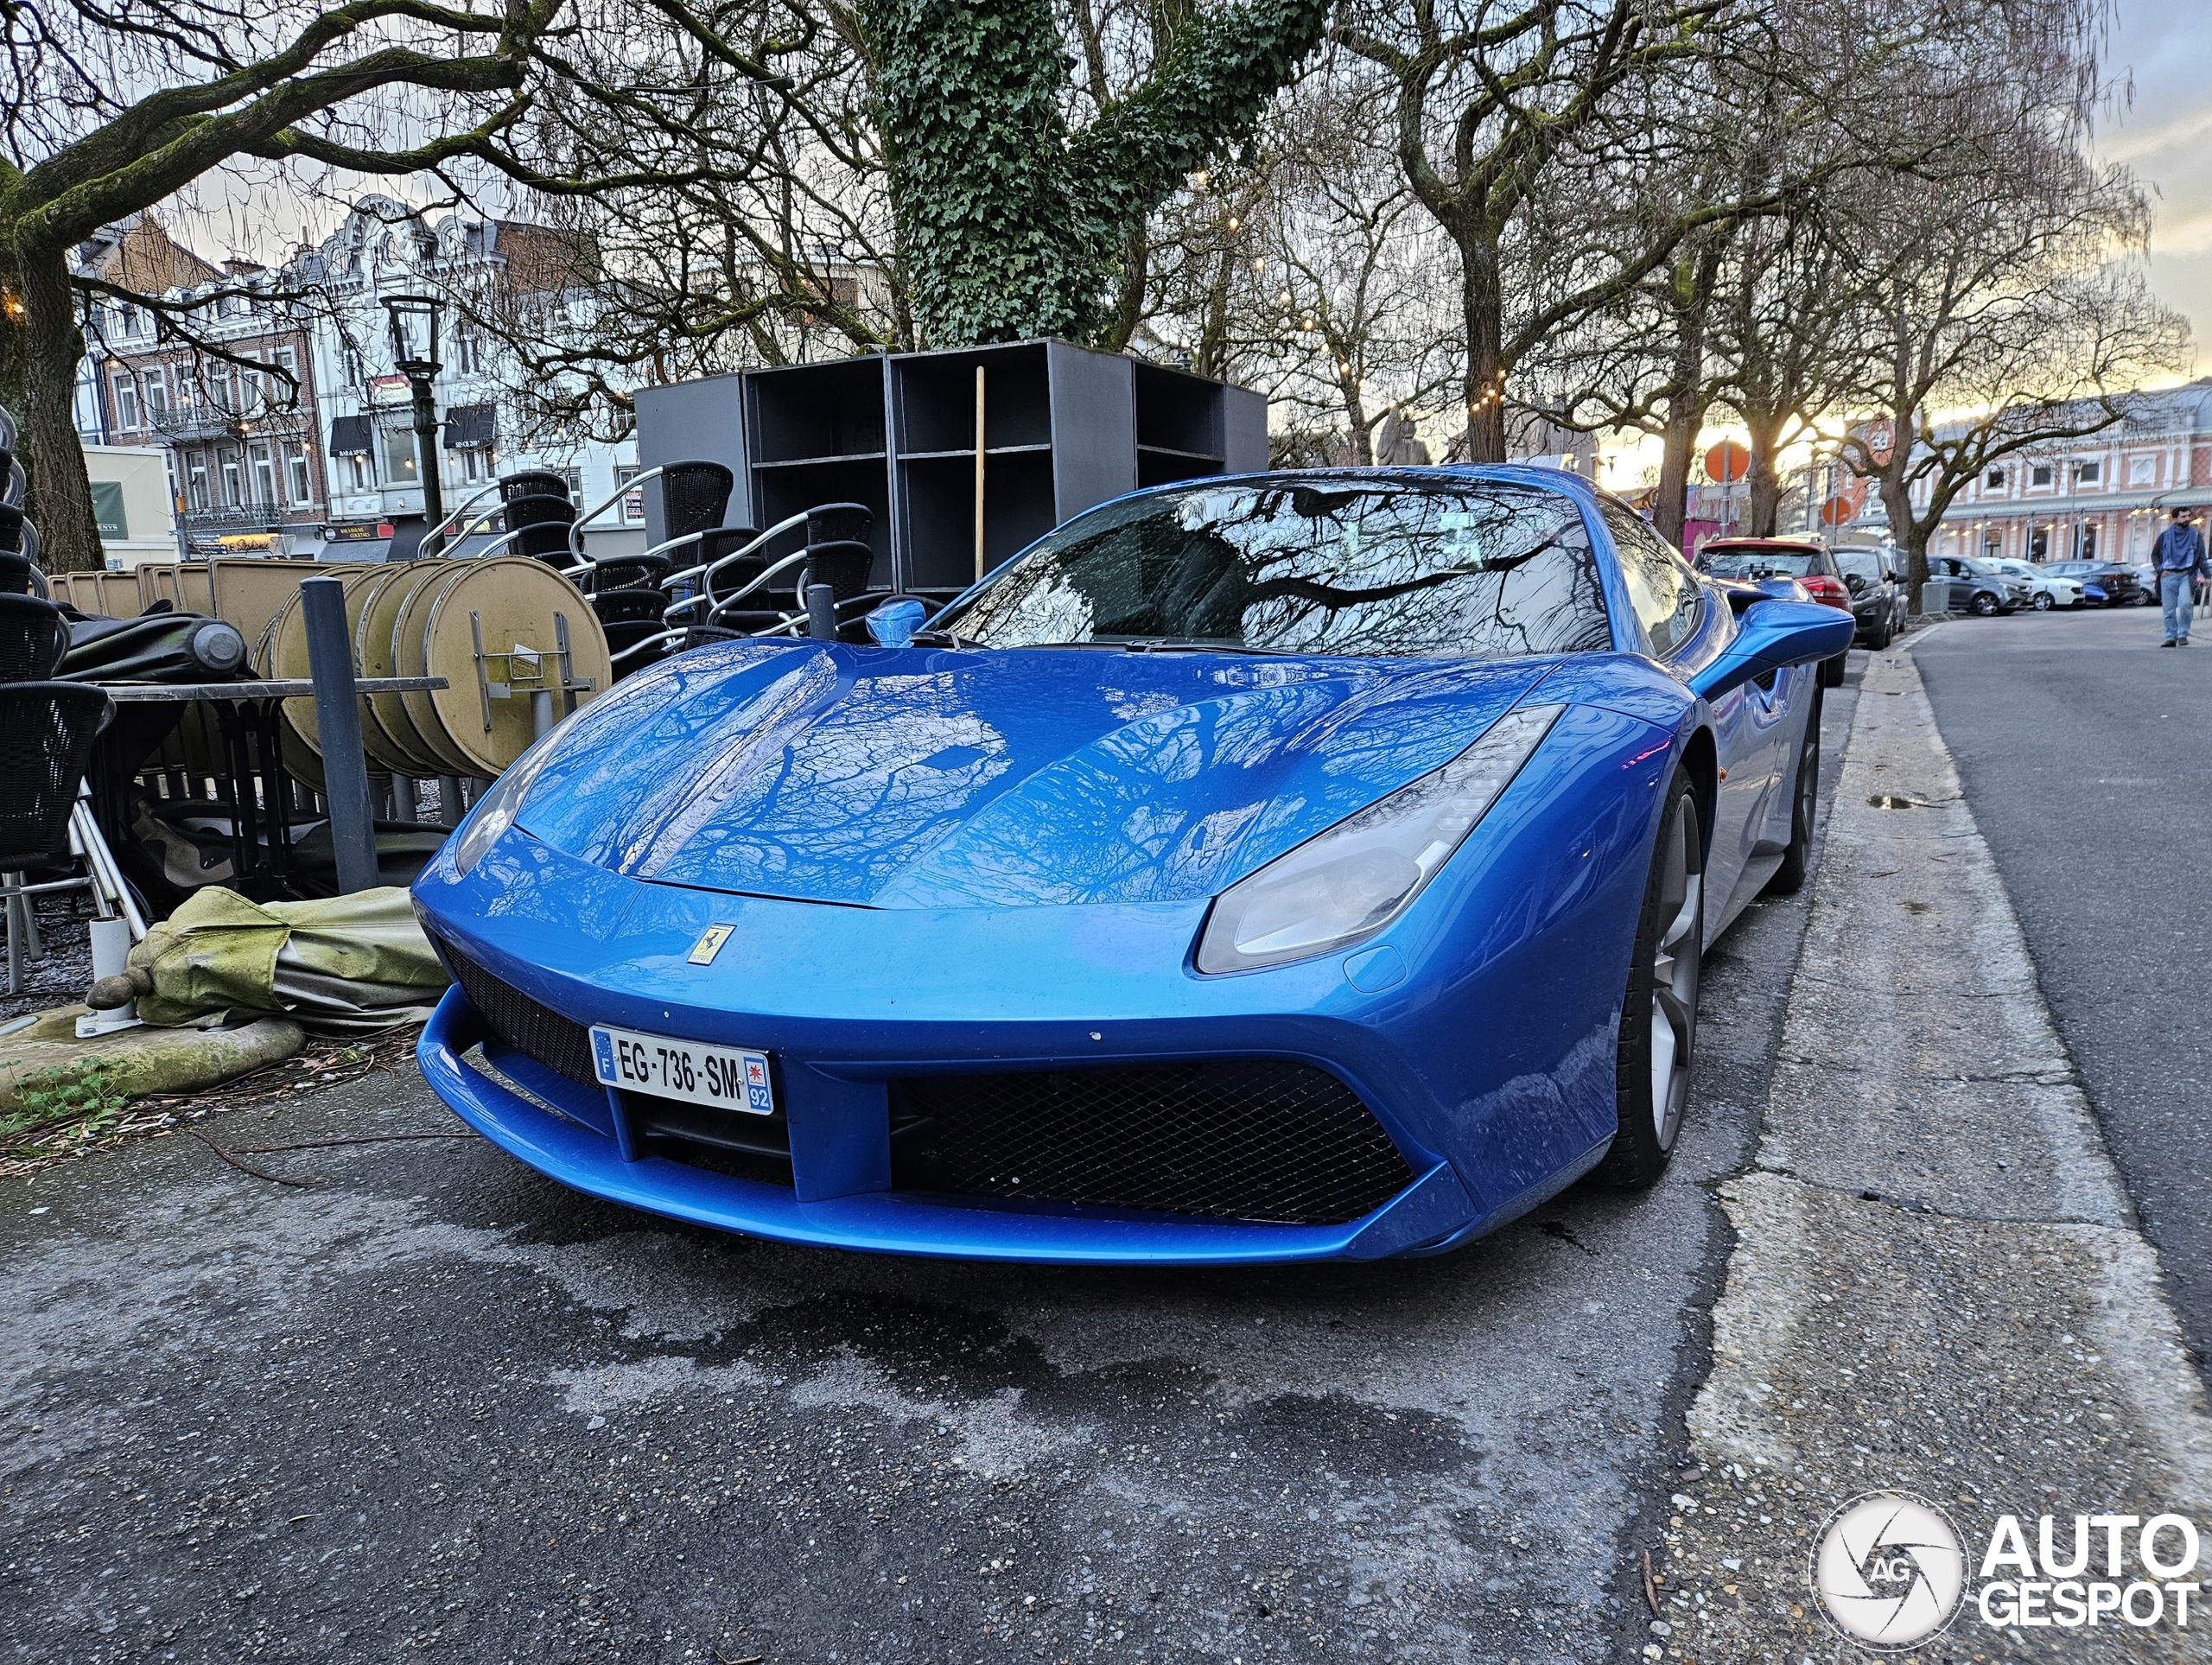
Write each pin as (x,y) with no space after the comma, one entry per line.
(351,436)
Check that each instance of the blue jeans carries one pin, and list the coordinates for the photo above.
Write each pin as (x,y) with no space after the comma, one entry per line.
(2176,592)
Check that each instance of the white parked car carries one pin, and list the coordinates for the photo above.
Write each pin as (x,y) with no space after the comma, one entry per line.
(2051,590)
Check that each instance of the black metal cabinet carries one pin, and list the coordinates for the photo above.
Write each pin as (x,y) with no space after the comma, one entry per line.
(1064,428)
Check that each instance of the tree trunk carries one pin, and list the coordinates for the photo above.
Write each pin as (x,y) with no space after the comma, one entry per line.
(1763,510)
(1910,534)
(1211,357)
(1358,424)
(1690,294)
(38,380)
(1670,508)
(1483,306)
(1129,297)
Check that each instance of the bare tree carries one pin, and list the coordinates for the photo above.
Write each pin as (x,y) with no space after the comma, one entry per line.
(1490,96)
(106,110)
(2020,316)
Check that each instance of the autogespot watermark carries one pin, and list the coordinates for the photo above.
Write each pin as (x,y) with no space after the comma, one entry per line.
(1889,1570)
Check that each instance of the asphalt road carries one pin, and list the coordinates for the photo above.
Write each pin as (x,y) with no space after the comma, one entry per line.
(2086,750)
(431,1403)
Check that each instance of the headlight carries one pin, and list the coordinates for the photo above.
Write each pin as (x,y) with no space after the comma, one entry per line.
(1353,880)
(496,810)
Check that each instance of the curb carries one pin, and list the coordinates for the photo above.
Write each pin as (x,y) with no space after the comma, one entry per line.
(1938,1286)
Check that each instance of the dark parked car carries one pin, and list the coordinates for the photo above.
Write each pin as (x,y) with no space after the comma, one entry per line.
(1879,598)
(1811,564)
(1979,588)
(2118,584)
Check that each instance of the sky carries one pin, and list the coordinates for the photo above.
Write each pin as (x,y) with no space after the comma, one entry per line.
(2164,46)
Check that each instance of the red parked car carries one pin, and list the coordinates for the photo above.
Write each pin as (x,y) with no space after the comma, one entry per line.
(1811,563)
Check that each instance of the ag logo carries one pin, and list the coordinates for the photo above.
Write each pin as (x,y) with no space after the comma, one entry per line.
(710,944)
(1888,1571)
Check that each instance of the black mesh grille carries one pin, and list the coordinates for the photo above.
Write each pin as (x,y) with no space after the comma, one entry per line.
(1243,1138)
(518,1021)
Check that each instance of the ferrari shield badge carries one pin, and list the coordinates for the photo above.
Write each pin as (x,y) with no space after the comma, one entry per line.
(710,944)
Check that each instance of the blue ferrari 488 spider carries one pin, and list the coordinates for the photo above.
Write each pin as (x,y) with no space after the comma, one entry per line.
(1285,867)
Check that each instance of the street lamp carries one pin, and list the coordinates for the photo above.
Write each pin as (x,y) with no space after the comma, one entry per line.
(414,355)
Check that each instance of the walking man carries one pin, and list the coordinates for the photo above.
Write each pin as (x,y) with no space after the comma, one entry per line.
(2179,560)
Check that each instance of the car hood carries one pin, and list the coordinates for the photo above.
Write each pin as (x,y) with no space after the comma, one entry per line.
(930,778)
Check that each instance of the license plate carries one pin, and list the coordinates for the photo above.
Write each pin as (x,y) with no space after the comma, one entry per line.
(727,1077)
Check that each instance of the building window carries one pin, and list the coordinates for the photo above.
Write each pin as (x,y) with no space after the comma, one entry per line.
(233,479)
(158,395)
(126,402)
(196,476)
(2040,474)
(357,471)
(399,457)
(296,470)
(265,473)
(287,361)
(2088,473)
(2085,543)
(352,366)
(2142,471)
(633,503)
(1995,479)
(251,400)
(2039,543)
(467,349)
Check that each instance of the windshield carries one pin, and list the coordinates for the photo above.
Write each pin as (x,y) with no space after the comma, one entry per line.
(1756,563)
(1866,568)
(1329,564)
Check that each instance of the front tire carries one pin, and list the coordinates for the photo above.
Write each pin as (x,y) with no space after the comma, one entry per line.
(1880,636)
(1658,1031)
(1983,605)
(2043,603)
(1832,672)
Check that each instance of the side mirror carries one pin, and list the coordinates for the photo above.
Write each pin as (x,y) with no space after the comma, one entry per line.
(1743,592)
(893,624)
(1774,634)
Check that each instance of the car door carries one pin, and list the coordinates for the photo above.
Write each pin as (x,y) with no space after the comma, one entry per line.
(1668,603)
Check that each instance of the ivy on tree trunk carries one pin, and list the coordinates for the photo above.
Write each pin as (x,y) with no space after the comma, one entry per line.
(1013,224)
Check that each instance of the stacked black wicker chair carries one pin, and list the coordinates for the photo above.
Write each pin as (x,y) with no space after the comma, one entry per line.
(16,564)
(539,525)
(628,592)
(694,497)
(34,635)
(532,482)
(839,554)
(47,731)
(725,608)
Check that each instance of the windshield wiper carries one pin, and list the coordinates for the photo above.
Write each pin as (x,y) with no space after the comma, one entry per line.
(1209,647)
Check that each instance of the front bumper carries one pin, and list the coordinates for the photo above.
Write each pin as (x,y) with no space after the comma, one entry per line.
(1486,1056)
(1431,1213)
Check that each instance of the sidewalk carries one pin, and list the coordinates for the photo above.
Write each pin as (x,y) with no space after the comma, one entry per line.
(1938,1287)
